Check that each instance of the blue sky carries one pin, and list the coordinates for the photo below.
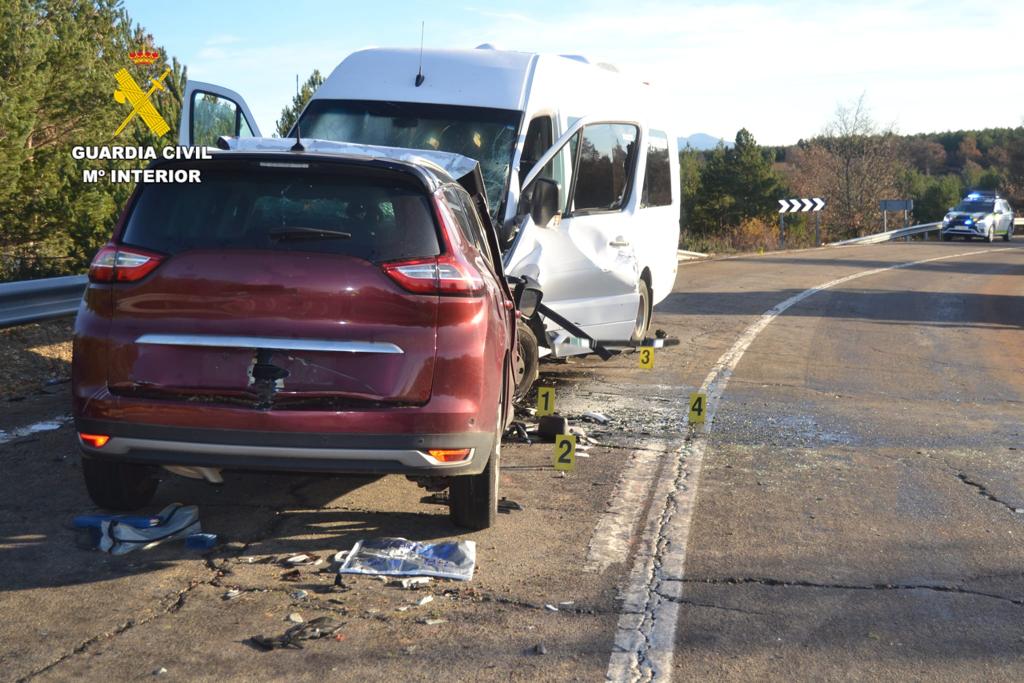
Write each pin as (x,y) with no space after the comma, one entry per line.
(777,68)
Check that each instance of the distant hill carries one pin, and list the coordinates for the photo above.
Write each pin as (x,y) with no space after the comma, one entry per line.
(702,141)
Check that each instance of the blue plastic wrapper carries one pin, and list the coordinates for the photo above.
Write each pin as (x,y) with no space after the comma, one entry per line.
(402,557)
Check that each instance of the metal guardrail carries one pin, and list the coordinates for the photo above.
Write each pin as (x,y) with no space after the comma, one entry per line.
(899,233)
(30,301)
(891,234)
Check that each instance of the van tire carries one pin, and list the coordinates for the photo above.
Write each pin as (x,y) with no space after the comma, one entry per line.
(473,499)
(643,313)
(529,360)
(119,486)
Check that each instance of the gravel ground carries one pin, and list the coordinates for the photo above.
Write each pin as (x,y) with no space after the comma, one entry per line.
(31,356)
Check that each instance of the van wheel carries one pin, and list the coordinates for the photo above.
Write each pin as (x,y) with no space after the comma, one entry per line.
(119,485)
(529,360)
(643,312)
(473,500)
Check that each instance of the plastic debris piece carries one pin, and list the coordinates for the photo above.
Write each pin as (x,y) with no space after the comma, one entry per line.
(296,618)
(437,498)
(550,608)
(567,603)
(424,600)
(321,627)
(231,594)
(411,583)
(539,649)
(550,426)
(403,608)
(291,575)
(432,622)
(200,541)
(402,557)
(298,594)
(599,418)
(302,560)
(159,672)
(505,505)
(176,521)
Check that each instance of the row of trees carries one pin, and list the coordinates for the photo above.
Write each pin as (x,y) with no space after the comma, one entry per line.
(57,65)
(730,193)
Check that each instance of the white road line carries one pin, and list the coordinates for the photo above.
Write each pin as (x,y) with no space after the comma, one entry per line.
(44,426)
(613,533)
(646,630)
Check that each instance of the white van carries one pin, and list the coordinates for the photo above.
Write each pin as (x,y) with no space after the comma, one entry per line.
(576,147)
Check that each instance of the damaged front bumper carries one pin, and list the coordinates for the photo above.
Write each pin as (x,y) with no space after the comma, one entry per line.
(287,451)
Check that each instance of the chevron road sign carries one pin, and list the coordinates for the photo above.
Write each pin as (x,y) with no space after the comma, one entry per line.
(801,205)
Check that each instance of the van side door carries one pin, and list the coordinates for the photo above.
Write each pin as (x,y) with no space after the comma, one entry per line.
(209,111)
(584,257)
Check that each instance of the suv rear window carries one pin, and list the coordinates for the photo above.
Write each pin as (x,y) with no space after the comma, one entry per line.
(250,207)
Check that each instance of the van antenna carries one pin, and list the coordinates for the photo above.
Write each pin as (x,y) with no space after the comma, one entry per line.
(297,147)
(419,74)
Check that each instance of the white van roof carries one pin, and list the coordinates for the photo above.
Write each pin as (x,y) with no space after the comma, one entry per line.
(483,78)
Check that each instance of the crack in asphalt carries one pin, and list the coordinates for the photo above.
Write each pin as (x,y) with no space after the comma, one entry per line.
(985,493)
(799,583)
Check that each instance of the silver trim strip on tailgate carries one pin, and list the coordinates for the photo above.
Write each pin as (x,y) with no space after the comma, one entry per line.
(233,342)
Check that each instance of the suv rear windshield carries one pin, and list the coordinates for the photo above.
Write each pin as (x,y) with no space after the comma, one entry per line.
(376,217)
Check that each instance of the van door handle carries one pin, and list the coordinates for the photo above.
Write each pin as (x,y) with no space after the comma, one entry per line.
(619,242)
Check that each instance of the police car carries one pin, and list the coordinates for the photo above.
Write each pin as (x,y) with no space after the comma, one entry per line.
(982,214)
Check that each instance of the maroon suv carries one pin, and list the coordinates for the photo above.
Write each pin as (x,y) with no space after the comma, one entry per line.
(299,311)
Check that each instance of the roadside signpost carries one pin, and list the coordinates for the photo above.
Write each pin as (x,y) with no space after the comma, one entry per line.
(800,205)
(887,205)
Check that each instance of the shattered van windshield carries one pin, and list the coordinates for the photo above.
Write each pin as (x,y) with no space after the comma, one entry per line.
(487,135)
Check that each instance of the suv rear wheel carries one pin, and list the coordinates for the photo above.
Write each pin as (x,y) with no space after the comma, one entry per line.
(119,485)
(473,499)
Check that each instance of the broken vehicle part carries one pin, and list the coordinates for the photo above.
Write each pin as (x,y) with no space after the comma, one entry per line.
(402,557)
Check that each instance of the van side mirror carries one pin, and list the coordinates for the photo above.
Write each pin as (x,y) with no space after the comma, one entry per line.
(540,200)
(527,294)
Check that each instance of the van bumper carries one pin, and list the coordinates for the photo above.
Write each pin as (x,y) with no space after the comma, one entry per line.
(286,451)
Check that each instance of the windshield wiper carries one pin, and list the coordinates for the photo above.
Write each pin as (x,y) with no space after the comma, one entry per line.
(298,233)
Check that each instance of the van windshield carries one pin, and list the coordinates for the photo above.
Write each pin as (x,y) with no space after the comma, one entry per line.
(487,135)
(249,206)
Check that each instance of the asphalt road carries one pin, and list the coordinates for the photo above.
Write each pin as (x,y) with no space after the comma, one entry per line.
(851,512)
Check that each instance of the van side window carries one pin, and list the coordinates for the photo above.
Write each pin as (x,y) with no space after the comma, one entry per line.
(538,140)
(657,175)
(604,166)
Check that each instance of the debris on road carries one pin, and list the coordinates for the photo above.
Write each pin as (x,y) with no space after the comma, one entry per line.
(424,600)
(301,560)
(200,541)
(296,618)
(298,594)
(160,671)
(321,627)
(410,583)
(551,608)
(517,431)
(231,594)
(539,649)
(402,557)
(432,622)
(550,426)
(599,418)
(291,575)
(507,506)
(119,536)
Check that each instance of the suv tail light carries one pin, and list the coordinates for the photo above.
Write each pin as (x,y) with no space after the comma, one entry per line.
(449,274)
(118,264)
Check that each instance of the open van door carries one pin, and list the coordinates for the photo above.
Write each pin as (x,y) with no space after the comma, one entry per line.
(582,252)
(209,111)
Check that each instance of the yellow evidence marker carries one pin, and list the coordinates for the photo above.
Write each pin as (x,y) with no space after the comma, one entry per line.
(565,452)
(647,357)
(545,401)
(698,407)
